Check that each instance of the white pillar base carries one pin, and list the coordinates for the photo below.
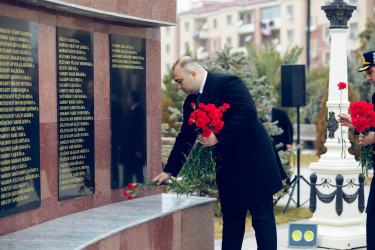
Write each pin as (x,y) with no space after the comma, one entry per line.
(341,237)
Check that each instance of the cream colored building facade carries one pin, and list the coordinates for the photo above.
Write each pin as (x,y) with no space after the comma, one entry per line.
(210,25)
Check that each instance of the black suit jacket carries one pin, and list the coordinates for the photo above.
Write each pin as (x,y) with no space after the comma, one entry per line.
(370,208)
(248,169)
(283,122)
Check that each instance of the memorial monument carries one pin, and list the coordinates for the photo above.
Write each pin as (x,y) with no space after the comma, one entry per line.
(80,118)
(337,194)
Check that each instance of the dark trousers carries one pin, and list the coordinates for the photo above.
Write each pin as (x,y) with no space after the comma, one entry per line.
(263,221)
(370,231)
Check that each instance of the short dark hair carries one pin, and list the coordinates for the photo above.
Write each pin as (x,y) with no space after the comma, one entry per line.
(186,61)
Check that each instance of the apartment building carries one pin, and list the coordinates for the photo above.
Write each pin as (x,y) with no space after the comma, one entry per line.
(210,25)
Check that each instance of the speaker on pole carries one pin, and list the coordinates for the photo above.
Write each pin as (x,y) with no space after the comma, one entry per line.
(293,85)
(293,94)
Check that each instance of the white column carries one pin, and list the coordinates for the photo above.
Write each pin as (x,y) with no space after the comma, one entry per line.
(338,231)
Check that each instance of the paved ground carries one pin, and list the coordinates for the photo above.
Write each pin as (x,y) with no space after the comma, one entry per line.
(282,230)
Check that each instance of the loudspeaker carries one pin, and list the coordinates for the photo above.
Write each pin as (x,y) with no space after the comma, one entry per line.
(293,85)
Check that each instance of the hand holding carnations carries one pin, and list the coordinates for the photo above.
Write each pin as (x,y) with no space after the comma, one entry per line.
(363,119)
(367,140)
(208,142)
(345,120)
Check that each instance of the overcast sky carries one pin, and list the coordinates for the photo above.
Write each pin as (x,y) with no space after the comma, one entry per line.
(183,5)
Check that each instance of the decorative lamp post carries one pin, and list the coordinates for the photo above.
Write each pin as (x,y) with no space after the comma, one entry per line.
(337,193)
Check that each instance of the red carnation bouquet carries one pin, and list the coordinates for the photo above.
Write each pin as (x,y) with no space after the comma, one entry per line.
(199,167)
(363,118)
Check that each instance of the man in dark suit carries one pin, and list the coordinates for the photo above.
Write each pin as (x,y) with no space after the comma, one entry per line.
(248,169)
(134,144)
(286,138)
(369,67)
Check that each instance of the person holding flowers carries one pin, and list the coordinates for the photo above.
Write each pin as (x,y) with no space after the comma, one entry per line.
(362,119)
(248,168)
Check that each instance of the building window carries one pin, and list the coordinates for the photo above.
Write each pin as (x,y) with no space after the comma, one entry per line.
(245,18)
(167,67)
(244,40)
(167,48)
(353,31)
(229,42)
(314,48)
(327,58)
(289,11)
(167,30)
(214,23)
(326,34)
(214,44)
(290,35)
(186,26)
(229,20)
(270,13)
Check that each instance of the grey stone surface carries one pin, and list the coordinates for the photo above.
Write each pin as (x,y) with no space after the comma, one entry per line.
(79,230)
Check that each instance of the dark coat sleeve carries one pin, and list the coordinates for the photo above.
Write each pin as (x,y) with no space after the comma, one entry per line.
(184,141)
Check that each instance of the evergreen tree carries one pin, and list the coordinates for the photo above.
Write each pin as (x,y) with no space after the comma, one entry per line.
(170,124)
(315,88)
(266,60)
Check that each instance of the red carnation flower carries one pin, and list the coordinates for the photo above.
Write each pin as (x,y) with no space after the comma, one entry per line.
(136,186)
(361,123)
(130,185)
(126,193)
(193,105)
(130,197)
(341,85)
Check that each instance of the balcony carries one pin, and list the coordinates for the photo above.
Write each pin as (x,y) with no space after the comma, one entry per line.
(246,28)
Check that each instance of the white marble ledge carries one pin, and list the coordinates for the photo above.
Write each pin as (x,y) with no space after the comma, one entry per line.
(79,230)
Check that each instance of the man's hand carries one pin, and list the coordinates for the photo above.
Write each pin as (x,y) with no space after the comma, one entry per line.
(366,140)
(207,142)
(162,177)
(345,120)
(289,146)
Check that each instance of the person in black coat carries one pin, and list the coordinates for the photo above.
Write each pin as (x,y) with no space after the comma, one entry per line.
(286,138)
(134,143)
(248,169)
(345,119)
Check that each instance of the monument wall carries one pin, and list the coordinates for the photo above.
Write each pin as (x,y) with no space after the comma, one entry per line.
(60,134)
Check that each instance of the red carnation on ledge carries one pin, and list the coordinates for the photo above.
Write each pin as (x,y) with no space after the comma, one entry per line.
(137,188)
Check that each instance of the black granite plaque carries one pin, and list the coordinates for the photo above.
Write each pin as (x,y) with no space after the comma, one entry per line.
(75,104)
(128,110)
(19,116)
